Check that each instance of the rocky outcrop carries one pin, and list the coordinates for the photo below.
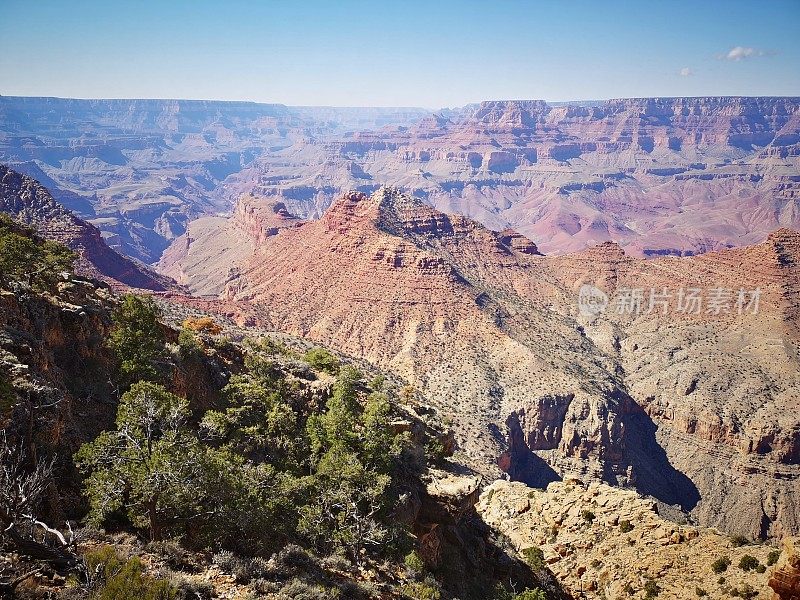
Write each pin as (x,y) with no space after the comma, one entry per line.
(30,203)
(454,541)
(590,535)
(261,218)
(518,242)
(785,579)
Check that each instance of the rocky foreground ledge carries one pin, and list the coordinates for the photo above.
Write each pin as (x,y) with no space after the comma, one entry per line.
(605,542)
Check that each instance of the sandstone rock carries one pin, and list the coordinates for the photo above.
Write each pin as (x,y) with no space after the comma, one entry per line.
(785,578)
(599,560)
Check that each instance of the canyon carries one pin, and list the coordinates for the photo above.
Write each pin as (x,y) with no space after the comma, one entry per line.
(600,300)
(659,176)
(695,409)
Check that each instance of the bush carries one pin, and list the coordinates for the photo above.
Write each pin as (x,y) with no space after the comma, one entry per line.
(188,344)
(378,383)
(300,590)
(294,560)
(421,591)
(8,397)
(700,592)
(243,570)
(435,451)
(192,589)
(534,594)
(176,557)
(534,557)
(149,466)
(739,540)
(761,569)
(773,557)
(270,346)
(588,516)
(125,579)
(651,589)
(322,360)
(746,592)
(721,564)
(137,338)
(748,563)
(202,325)
(226,560)
(414,563)
(625,526)
(336,562)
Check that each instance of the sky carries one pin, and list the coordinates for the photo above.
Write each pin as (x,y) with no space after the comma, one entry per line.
(432,54)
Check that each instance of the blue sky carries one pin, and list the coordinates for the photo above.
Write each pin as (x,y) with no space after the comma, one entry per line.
(433,54)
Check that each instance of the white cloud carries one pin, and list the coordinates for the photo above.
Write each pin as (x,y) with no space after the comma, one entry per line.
(738,53)
(686,72)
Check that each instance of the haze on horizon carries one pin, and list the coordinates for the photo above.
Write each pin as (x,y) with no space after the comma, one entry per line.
(428,54)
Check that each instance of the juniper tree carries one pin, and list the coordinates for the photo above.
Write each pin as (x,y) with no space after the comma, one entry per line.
(137,338)
(149,466)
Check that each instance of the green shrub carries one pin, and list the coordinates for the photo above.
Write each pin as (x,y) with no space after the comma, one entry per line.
(148,466)
(435,450)
(534,557)
(746,592)
(378,383)
(773,557)
(188,344)
(421,591)
(531,594)
(270,346)
(651,589)
(8,397)
(739,540)
(413,562)
(748,563)
(700,592)
(125,579)
(322,360)
(625,526)
(588,516)
(721,564)
(761,569)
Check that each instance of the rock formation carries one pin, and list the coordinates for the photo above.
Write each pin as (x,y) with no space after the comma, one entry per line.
(603,542)
(693,409)
(785,579)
